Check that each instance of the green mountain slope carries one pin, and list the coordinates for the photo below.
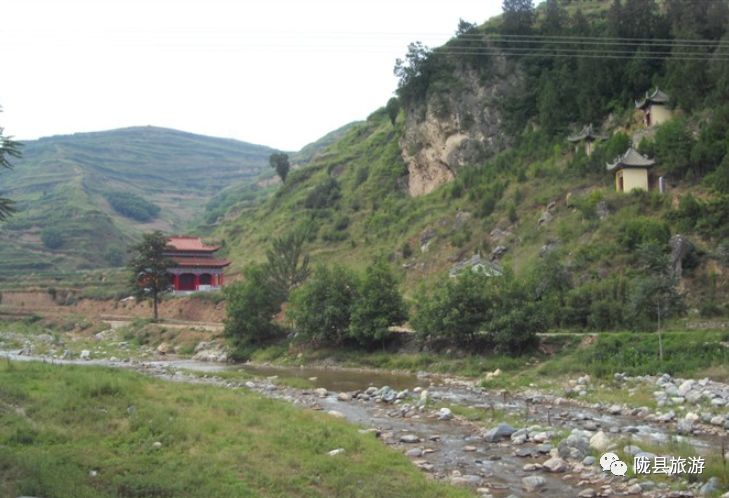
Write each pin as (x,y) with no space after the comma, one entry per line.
(478,164)
(81,198)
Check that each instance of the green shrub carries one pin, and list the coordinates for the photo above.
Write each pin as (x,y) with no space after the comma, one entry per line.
(642,229)
(476,312)
(324,195)
(250,308)
(406,250)
(321,309)
(132,206)
(379,306)
(52,238)
(673,146)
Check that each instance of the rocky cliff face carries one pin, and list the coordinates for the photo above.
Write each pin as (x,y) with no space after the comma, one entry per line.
(455,128)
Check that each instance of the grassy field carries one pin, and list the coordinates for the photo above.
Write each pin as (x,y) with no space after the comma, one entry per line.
(89,432)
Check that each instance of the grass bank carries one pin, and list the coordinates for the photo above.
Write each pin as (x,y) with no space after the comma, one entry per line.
(698,353)
(82,432)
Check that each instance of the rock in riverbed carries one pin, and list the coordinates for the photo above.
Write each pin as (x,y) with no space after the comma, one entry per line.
(409,438)
(556,464)
(533,483)
(501,431)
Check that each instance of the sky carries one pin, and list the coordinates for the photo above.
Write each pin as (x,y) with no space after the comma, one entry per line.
(280,73)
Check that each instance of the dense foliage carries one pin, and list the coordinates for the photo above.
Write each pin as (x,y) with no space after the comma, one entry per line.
(339,307)
(479,313)
(571,73)
(132,206)
(52,238)
(250,307)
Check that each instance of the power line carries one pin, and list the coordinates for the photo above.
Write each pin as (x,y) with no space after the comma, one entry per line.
(580,54)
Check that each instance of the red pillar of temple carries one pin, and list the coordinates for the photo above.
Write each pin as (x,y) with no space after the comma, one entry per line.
(197,281)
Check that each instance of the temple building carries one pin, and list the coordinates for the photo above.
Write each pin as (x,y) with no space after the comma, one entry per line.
(632,171)
(196,268)
(587,136)
(655,108)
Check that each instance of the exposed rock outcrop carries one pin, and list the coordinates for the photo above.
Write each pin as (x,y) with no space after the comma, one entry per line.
(454,129)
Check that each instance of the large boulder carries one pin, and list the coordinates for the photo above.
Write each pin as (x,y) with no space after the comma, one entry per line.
(600,441)
(556,464)
(575,446)
(533,483)
(501,431)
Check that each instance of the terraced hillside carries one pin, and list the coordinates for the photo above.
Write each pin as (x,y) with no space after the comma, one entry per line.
(81,198)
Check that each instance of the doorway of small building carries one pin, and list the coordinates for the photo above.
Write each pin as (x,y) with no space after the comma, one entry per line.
(206,279)
(621,187)
(187,282)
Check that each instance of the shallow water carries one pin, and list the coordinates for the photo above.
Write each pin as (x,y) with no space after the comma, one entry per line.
(339,379)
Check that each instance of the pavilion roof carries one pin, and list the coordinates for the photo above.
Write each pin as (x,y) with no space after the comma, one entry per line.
(655,97)
(200,262)
(631,158)
(587,132)
(189,243)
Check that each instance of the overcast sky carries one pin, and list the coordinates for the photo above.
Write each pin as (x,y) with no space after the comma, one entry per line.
(279,72)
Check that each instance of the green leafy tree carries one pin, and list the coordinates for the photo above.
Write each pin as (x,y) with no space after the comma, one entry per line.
(455,312)
(516,316)
(554,18)
(654,297)
(287,265)
(148,267)
(279,161)
(380,305)
(393,108)
(8,149)
(250,307)
(673,145)
(518,17)
(321,309)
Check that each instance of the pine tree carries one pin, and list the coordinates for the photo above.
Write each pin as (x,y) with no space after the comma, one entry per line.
(148,267)
(8,149)
(280,162)
(518,17)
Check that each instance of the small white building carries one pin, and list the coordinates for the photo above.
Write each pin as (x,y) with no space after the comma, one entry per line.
(655,108)
(632,171)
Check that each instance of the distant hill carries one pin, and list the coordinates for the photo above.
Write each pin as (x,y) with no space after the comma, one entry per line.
(82,198)
(310,151)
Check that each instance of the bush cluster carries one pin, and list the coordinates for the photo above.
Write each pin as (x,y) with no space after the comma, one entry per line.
(478,312)
(132,206)
(338,307)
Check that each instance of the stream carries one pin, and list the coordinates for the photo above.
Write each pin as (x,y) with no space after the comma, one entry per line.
(452,449)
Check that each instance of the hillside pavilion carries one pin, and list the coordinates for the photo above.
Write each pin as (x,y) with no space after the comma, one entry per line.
(632,171)
(655,108)
(196,267)
(587,136)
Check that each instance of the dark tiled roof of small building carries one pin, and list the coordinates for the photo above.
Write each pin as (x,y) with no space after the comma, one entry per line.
(587,132)
(655,97)
(630,159)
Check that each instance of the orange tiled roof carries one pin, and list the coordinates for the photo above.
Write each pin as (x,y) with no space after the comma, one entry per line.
(189,243)
(200,262)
